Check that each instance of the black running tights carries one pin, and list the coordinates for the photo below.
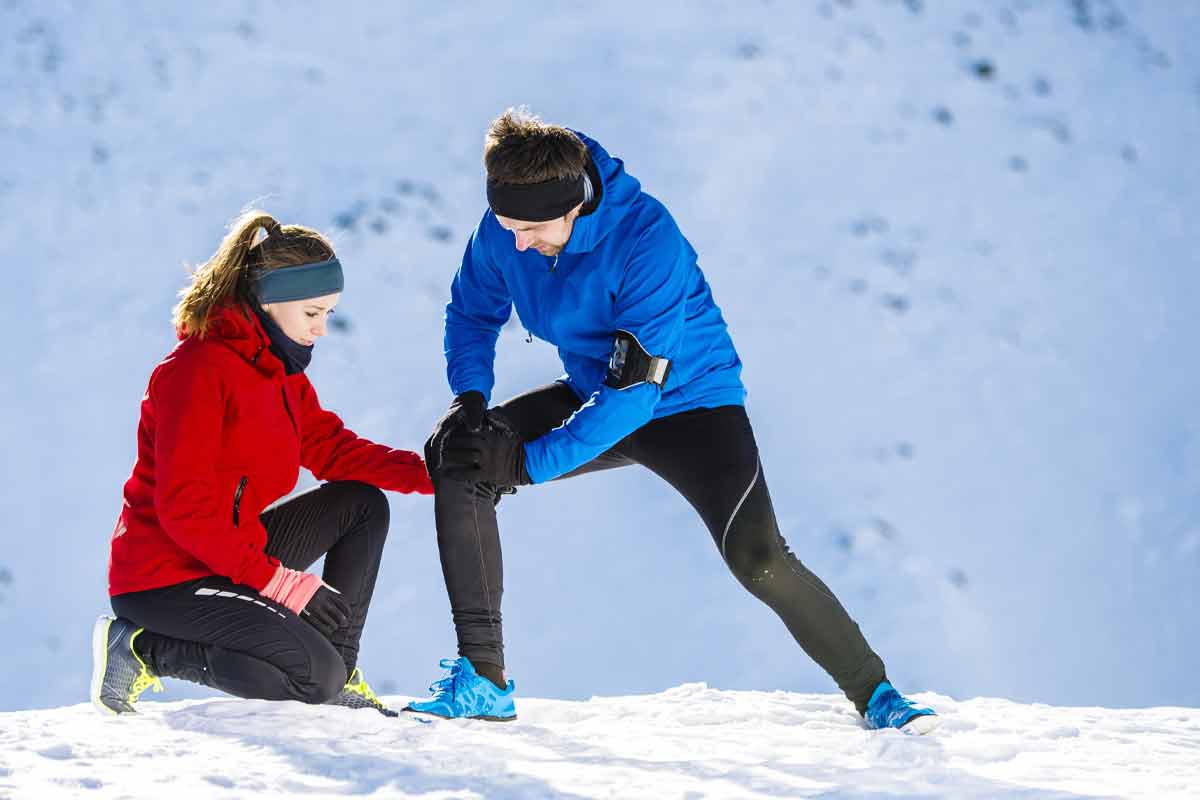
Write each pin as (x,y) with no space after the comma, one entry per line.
(224,635)
(710,457)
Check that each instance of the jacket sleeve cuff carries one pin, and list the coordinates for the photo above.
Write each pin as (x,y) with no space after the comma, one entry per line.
(536,466)
(260,574)
(472,386)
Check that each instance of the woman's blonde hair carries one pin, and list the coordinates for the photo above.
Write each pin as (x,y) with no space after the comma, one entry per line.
(230,274)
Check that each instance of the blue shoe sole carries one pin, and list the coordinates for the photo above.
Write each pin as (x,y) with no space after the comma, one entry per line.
(483,717)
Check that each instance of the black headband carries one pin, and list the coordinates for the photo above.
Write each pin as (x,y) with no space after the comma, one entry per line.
(537,202)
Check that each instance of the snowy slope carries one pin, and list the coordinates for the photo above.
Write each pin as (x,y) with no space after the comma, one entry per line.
(690,741)
(953,241)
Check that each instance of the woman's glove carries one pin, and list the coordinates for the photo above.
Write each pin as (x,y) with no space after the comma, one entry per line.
(467,411)
(309,597)
(328,610)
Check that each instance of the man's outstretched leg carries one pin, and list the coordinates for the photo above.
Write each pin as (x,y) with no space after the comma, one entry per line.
(711,458)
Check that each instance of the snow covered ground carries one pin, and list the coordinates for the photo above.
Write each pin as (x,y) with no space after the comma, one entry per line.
(955,244)
(687,742)
(954,241)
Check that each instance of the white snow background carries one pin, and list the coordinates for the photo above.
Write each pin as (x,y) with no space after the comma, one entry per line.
(953,243)
(687,742)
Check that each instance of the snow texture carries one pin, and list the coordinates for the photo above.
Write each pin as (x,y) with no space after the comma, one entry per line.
(686,742)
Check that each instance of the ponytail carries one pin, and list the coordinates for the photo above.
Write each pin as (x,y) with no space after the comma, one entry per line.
(223,277)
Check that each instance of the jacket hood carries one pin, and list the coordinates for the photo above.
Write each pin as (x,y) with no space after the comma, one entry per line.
(619,192)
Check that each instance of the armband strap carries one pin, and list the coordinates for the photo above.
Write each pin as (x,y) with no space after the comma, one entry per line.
(630,364)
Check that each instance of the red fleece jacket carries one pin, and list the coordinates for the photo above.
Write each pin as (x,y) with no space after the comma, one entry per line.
(223,434)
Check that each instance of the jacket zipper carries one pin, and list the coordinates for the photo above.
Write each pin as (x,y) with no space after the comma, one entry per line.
(237,499)
(528,335)
(288,408)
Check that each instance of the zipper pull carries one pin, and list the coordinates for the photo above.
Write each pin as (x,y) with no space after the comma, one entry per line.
(528,337)
(554,264)
(237,499)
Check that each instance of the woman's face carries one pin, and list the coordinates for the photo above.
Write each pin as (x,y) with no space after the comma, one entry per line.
(304,321)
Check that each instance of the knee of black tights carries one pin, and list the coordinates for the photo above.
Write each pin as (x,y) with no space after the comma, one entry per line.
(326,680)
(371,501)
(751,554)
(472,491)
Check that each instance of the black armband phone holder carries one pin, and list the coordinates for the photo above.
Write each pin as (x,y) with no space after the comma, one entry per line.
(631,365)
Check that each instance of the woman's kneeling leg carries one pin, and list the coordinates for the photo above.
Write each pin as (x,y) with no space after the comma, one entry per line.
(226,636)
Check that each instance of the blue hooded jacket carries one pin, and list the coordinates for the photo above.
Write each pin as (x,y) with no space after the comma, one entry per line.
(626,267)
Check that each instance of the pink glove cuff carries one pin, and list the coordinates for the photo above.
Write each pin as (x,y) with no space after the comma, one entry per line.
(291,588)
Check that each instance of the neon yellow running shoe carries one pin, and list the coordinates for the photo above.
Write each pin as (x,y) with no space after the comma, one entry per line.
(358,694)
(119,675)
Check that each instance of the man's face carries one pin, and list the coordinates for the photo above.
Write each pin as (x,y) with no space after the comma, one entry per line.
(548,237)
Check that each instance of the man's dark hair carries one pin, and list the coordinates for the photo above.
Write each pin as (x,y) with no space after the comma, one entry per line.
(519,148)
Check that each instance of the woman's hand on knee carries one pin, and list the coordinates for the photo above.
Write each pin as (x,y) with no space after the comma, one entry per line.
(310,598)
(328,610)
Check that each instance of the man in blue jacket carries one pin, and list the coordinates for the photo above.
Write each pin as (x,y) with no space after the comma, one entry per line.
(597,267)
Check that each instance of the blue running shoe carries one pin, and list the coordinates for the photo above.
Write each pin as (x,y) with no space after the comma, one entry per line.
(887,708)
(465,694)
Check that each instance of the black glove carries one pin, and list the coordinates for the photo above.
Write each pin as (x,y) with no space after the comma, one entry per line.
(467,410)
(493,454)
(327,611)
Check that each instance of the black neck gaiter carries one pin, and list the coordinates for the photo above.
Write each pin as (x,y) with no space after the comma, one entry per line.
(295,356)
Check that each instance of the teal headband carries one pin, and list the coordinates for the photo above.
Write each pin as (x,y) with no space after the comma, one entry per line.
(300,283)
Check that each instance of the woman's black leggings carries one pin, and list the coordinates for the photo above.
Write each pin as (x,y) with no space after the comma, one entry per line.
(224,635)
(710,457)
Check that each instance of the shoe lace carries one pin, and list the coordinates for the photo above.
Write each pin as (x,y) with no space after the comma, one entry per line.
(893,706)
(359,686)
(145,678)
(451,682)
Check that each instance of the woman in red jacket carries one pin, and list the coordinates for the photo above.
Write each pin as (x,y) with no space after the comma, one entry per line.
(206,584)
